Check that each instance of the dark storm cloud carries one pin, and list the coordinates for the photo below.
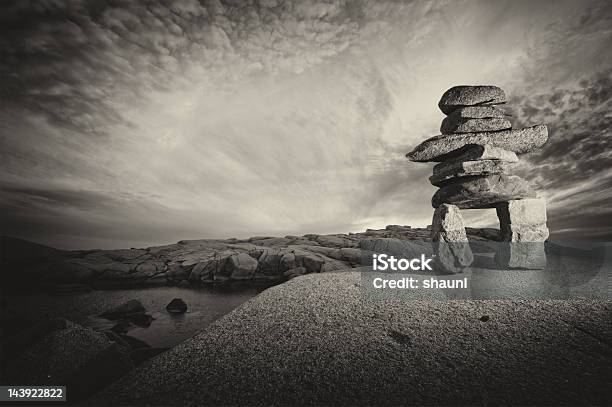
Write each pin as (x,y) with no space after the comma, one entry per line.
(574,167)
(580,128)
(70,60)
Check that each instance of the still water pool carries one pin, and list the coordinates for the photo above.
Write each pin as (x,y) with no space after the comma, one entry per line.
(166,330)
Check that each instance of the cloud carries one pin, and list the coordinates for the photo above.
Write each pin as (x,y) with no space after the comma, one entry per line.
(574,168)
(141,122)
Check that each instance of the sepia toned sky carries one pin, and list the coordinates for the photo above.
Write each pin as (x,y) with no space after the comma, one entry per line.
(134,123)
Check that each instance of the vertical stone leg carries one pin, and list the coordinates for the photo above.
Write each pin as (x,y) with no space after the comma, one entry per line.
(453,252)
(522,233)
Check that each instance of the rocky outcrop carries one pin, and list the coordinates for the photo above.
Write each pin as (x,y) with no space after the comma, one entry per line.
(126,309)
(260,259)
(257,260)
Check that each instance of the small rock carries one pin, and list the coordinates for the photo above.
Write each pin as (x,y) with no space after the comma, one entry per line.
(122,327)
(176,306)
(438,148)
(452,125)
(400,337)
(460,96)
(450,171)
(141,320)
(483,192)
(129,307)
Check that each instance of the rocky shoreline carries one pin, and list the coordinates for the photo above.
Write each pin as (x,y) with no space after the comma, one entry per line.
(317,339)
(257,260)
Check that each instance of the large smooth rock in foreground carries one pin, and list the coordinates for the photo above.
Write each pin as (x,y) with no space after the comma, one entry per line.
(450,126)
(483,192)
(460,96)
(440,148)
(449,171)
(318,340)
(477,112)
(453,252)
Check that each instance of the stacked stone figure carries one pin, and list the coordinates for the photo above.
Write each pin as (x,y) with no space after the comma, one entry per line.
(475,154)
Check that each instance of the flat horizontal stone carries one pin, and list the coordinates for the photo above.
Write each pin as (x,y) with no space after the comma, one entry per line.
(483,192)
(452,125)
(443,147)
(477,112)
(449,171)
(474,152)
(460,96)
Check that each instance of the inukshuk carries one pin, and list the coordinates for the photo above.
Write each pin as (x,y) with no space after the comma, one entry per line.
(476,153)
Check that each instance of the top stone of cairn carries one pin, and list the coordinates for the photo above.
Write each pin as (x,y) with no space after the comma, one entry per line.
(461,96)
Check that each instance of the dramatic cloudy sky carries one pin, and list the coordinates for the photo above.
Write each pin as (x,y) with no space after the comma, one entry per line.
(133,123)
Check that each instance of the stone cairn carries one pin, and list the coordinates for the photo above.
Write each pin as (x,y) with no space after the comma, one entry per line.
(475,154)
